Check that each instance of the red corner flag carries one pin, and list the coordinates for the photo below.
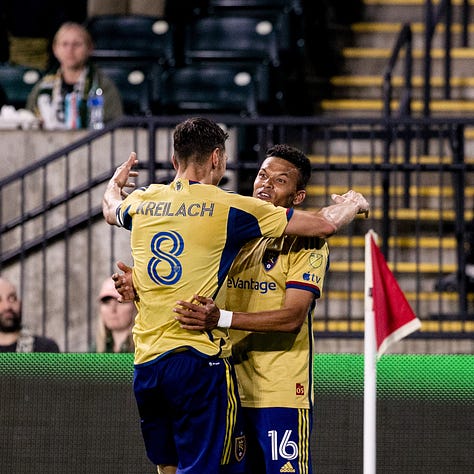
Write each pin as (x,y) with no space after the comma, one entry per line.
(394,318)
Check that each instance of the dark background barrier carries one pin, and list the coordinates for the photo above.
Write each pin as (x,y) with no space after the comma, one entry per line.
(75,413)
(425,414)
(69,413)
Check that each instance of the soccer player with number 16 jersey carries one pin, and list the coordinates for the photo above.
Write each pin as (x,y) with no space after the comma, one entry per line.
(271,289)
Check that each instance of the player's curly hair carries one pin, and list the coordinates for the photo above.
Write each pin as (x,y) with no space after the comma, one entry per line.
(295,157)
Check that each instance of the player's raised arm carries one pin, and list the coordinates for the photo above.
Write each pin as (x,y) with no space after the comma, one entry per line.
(114,192)
(328,220)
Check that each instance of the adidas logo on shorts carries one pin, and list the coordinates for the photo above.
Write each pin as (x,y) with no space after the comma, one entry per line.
(287,468)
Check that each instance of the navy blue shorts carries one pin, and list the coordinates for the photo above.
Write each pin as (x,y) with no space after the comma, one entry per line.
(190,413)
(278,440)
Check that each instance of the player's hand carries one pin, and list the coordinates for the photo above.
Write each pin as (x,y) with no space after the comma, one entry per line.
(197,317)
(123,174)
(355,197)
(124,283)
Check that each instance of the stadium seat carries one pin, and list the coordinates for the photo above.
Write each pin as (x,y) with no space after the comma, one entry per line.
(231,38)
(135,82)
(224,88)
(132,37)
(16,82)
(286,16)
(254,5)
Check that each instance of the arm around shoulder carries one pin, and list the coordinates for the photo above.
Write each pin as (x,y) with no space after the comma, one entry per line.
(328,220)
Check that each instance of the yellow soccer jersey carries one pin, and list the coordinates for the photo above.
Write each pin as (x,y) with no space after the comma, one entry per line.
(184,238)
(275,369)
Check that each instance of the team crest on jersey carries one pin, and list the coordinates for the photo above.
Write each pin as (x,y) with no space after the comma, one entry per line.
(240,447)
(179,185)
(315,260)
(270,259)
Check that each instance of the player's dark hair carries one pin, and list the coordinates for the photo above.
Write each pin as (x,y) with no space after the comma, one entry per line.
(295,157)
(197,137)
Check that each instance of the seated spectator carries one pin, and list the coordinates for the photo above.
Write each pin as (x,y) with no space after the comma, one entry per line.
(60,99)
(13,337)
(115,321)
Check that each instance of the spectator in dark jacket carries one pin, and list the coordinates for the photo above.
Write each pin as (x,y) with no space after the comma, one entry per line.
(60,99)
(13,337)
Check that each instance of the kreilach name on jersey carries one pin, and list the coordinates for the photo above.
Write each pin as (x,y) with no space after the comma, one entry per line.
(168,209)
(261,286)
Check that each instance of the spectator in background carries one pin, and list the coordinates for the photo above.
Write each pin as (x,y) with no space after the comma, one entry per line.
(13,338)
(60,99)
(115,321)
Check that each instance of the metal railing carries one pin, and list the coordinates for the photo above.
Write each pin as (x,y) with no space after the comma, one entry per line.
(56,245)
(403,43)
(433,17)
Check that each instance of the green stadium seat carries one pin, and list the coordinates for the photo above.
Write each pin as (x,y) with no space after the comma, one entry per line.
(132,37)
(135,82)
(16,83)
(223,88)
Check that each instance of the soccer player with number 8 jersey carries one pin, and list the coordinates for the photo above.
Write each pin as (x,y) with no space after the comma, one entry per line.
(184,238)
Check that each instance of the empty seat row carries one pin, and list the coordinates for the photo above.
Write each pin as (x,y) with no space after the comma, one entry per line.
(131,37)
(247,5)
(218,37)
(220,87)
(149,89)
(208,87)
(225,62)
(248,47)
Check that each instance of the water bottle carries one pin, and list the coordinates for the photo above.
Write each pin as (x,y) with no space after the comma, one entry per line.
(96,109)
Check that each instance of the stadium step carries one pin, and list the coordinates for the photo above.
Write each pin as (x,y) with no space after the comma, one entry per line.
(370,86)
(419,268)
(360,89)
(374,60)
(357,91)
(374,107)
(396,191)
(378,159)
(427,216)
(442,327)
(380,34)
(396,10)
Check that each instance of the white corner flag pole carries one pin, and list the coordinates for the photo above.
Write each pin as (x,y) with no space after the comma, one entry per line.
(370,369)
